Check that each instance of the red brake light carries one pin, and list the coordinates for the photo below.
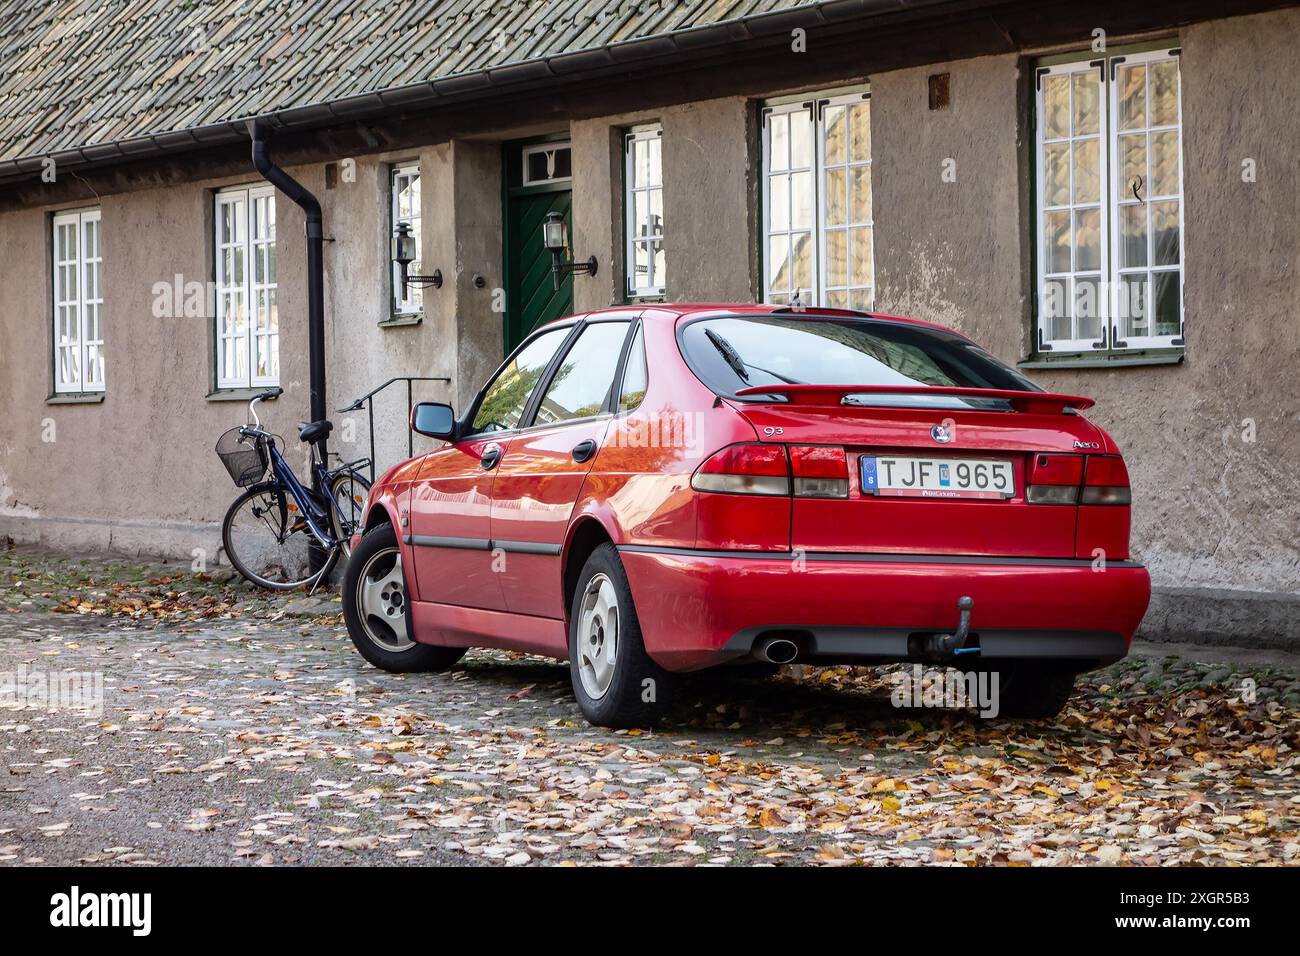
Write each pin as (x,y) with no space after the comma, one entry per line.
(820,471)
(745,470)
(1106,481)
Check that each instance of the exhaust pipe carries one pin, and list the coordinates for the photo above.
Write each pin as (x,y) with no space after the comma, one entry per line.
(777,650)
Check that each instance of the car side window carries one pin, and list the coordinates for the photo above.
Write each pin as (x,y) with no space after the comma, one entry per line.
(504,401)
(636,376)
(581,384)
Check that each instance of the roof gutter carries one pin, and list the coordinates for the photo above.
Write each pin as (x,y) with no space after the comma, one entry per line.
(449,89)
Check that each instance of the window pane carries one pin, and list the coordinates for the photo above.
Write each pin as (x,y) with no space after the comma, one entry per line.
(1132,97)
(1087,95)
(861,201)
(837,257)
(1164,164)
(1056,107)
(1132,151)
(860,245)
(778,206)
(1168,303)
(1087,307)
(779,140)
(1133,305)
(801,153)
(1056,174)
(778,264)
(1058,241)
(1133,235)
(801,194)
(836,203)
(837,133)
(860,131)
(503,403)
(823,350)
(580,386)
(1054,308)
(636,376)
(1087,170)
(1164,228)
(802,256)
(1164,93)
(1087,239)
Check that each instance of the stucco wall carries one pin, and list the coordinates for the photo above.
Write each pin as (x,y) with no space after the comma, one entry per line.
(709,168)
(137,472)
(1211,510)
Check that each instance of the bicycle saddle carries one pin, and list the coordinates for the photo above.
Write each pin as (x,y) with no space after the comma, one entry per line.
(312,432)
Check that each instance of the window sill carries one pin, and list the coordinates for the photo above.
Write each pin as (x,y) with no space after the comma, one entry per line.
(1090,361)
(75,398)
(238,394)
(402,320)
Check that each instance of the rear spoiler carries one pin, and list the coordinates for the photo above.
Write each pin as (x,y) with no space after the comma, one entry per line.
(1042,403)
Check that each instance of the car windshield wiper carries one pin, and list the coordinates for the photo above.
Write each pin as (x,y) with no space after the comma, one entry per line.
(728,352)
(738,364)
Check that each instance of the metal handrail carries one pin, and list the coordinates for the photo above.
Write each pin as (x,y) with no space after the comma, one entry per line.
(367,401)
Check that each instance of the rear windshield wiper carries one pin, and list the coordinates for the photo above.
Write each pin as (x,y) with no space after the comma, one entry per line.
(738,364)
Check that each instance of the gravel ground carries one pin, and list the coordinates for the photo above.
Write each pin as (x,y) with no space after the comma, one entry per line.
(239,728)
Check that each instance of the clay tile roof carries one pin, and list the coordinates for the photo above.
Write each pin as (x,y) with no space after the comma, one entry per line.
(75,73)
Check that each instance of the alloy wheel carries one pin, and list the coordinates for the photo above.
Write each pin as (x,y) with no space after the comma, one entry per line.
(598,624)
(381,599)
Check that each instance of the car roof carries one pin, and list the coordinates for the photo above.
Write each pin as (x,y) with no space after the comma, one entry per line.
(673,312)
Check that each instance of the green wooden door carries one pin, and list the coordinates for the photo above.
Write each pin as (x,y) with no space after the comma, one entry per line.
(535,186)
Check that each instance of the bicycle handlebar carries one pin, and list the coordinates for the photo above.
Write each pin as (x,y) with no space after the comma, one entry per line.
(268,395)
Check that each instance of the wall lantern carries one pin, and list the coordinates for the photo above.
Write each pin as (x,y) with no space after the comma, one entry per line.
(404,255)
(555,237)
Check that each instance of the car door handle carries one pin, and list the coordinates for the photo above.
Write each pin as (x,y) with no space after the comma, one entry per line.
(584,450)
(491,456)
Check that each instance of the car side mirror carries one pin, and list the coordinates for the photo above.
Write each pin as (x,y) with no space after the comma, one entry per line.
(434,419)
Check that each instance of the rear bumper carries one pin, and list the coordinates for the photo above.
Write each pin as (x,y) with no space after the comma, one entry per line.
(699,608)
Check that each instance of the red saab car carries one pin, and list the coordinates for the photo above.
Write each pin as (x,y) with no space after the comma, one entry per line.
(647,491)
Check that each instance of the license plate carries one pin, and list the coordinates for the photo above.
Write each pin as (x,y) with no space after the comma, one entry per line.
(904,476)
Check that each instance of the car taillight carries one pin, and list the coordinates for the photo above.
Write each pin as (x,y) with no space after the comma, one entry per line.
(745,470)
(1106,481)
(820,471)
(1054,479)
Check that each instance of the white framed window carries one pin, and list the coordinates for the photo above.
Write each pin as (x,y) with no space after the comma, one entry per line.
(818,232)
(1109,204)
(78,303)
(404,190)
(643,205)
(546,164)
(248,324)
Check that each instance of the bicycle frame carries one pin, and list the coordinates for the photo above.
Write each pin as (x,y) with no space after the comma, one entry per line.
(283,479)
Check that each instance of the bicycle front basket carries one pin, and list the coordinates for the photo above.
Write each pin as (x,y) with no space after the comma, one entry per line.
(243,456)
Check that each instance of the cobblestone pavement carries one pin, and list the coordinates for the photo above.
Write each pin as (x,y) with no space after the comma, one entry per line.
(239,728)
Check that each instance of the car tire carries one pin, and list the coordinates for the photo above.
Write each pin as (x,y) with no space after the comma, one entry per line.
(1033,692)
(376,610)
(614,680)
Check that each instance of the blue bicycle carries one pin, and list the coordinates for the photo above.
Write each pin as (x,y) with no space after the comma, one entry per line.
(271,530)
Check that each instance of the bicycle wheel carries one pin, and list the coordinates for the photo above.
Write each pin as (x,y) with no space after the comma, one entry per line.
(268,541)
(348,492)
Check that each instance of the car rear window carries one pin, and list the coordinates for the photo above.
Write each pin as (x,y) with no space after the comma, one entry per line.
(728,354)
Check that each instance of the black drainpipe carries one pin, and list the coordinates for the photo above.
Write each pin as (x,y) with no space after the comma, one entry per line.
(315,267)
(315,272)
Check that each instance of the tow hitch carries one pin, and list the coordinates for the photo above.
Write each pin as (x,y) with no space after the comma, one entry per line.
(944,645)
